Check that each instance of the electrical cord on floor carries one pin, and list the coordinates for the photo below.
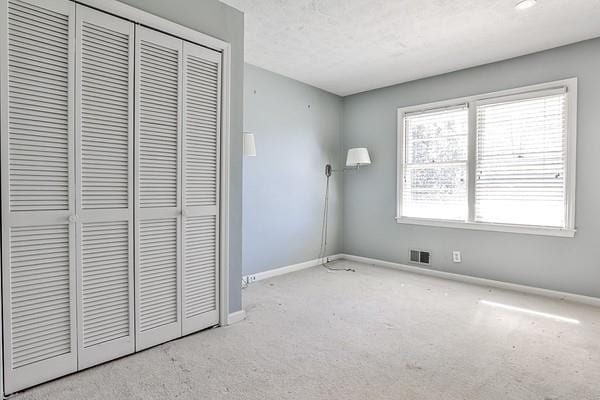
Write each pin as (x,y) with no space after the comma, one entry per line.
(324,226)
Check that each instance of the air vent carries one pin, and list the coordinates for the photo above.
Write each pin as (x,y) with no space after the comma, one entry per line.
(420,257)
(414,256)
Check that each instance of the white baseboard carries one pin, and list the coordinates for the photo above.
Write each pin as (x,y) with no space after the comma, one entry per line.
(235,317)
(238,316)
(576,298)
(287,269)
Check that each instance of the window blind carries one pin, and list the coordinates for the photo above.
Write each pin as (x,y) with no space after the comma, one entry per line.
(435,164)
(521,161)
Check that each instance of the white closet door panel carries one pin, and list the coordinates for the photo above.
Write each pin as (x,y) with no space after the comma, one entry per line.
(38,257)
(158,182)
(201,139)
(105,78)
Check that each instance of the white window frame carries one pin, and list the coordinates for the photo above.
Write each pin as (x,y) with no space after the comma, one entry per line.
(522,92)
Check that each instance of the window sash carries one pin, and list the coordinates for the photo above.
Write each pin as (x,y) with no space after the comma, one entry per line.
(567,86)
(517,168)
(442,188)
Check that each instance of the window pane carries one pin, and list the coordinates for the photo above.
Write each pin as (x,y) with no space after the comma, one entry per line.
(438,192)
(521,160)
(435,169)
(437,136)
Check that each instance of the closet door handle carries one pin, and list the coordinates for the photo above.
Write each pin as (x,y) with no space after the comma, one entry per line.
(73,218)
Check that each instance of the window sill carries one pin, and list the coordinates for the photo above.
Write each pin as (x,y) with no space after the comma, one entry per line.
(480,226)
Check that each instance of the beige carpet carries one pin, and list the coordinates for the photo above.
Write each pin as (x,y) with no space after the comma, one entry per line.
(371,334)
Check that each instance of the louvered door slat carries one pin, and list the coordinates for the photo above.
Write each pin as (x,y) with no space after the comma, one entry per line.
(110,311)
(158,105)
(201,138)
(105,55)
(31,312)
(201,275)
(159,116)
(158,274)
(38,257)
(44,54)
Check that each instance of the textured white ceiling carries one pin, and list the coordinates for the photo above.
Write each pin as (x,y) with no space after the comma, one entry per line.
(349,46)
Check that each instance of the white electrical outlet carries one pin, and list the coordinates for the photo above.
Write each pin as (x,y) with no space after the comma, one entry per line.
(246,280)
(456,256)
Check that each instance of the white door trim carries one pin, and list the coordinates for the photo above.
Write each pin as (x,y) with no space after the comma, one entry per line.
(153,21)
(225,184)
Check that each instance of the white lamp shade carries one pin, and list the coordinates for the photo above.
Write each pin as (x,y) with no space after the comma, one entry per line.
(249,145)
(358,156)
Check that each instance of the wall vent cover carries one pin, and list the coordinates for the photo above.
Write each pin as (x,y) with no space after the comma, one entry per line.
(414,256)
(420,256)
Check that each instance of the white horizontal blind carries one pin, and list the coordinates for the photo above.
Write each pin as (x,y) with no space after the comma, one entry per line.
(435,164)
(521,161)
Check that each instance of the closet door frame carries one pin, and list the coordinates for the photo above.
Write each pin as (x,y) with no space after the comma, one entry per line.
(119,347)
(152,21)
(57,366)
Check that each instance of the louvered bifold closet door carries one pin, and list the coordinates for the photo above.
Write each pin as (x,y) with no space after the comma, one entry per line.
(38,257)
(104,186)
(201,134)
(158,182)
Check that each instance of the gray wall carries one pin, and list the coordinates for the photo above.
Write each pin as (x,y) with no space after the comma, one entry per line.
(226,23)
(284,185)
(566,264)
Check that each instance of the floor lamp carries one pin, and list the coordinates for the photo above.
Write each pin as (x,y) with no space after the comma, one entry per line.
(355,158)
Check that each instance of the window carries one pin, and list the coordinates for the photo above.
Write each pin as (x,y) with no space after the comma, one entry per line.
(501,161)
